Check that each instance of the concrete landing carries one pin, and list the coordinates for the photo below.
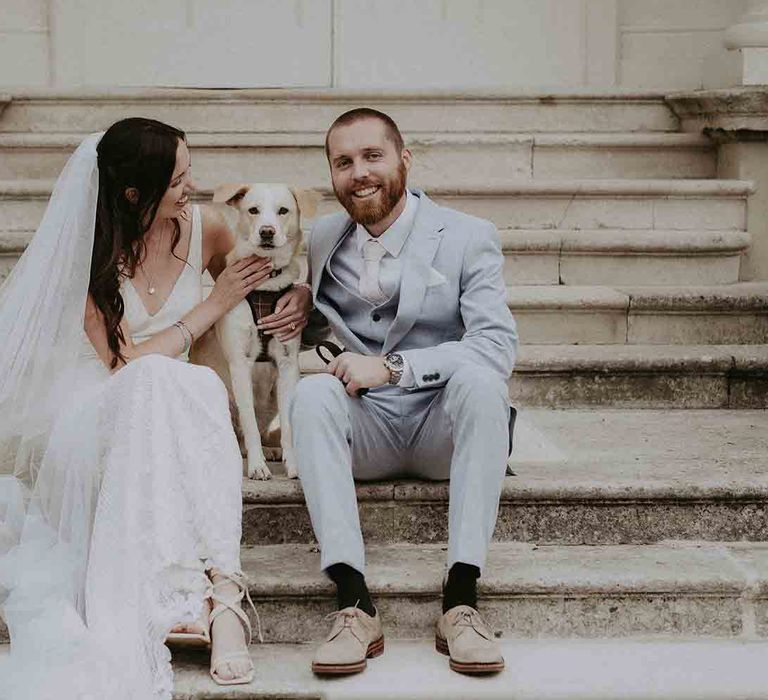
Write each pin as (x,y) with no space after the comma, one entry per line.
(536,670)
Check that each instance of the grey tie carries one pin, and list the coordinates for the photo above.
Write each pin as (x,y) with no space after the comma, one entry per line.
(369,286)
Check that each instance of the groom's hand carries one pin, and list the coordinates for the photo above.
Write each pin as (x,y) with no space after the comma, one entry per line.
(291,315)
(359,371)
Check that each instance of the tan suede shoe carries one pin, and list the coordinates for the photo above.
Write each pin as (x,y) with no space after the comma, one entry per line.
(355,636)
(466,639)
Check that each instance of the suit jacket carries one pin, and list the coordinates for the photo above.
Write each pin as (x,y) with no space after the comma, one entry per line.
(452,307)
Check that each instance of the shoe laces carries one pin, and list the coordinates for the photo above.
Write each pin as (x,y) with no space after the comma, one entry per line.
(255,614)
(471,618)
(347,615)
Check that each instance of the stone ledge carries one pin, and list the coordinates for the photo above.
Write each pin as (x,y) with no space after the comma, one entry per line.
(206,111)
(565,243)
(563,297)
(612,94)
(670,188)
(693,359)
(733,298)
(609,140)
(653,242)
(653,140)
(531,240)
(750,359)
(728,109)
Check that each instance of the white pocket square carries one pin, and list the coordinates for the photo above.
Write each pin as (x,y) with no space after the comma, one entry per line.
(435,278)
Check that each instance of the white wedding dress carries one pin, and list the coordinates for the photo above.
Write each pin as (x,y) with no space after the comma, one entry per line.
(138,493)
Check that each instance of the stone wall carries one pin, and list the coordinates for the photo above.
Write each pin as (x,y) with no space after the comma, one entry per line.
(676,43)
(25,43)
(601,44)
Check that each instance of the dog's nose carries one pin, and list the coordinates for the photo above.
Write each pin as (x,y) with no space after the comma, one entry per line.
(267,233)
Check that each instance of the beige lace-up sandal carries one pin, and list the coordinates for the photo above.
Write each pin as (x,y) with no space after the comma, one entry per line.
(233,604)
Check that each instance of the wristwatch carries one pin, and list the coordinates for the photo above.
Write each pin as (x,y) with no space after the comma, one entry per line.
(395,363)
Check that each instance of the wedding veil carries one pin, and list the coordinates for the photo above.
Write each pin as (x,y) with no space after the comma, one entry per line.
(42,306)
(44,530)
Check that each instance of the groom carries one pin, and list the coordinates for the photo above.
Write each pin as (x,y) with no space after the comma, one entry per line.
(414,292)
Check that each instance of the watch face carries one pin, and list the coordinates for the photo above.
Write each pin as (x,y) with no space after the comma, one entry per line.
(395,361)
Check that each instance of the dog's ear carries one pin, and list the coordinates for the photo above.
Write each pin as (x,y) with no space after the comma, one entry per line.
(307,201)
(230,193)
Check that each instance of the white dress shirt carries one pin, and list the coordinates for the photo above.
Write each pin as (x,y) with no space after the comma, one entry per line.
(391,266)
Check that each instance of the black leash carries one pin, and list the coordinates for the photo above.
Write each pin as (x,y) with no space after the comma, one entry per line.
(335,351)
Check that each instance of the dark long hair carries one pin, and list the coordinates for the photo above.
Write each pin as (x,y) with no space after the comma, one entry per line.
(138,153)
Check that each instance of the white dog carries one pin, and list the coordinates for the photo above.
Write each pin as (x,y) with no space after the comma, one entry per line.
(263,371)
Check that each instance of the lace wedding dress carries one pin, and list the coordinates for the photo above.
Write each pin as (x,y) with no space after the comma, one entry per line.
(135,492)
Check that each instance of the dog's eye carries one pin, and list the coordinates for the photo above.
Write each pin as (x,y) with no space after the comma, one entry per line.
(253,210)
(282,211)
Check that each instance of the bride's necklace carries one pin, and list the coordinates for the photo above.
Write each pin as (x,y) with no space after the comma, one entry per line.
(151,289)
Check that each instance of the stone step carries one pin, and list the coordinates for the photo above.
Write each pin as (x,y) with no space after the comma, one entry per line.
(711,589)
(283,111)
(642,376)
(645,668)
(613,257)
(580,477)
(693,315)
(440,160)
(572,257)
(633,376)
(644,205)
(559,156)
(690,205)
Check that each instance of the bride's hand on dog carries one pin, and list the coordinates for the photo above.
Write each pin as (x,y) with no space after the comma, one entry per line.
(238,279)
(291,315)
(359,371)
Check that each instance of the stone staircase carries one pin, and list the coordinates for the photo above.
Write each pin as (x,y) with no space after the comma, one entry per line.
(622,255)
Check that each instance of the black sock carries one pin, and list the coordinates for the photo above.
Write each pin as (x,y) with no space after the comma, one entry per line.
(350,588)
(461,586)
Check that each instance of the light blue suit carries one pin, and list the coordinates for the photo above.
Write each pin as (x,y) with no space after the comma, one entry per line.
(451,322)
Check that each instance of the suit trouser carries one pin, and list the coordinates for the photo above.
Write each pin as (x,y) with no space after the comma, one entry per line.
(459,431)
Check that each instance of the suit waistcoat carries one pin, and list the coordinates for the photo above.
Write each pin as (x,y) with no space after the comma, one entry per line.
(368,321)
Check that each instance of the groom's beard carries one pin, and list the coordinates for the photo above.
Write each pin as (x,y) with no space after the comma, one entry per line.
(373,209)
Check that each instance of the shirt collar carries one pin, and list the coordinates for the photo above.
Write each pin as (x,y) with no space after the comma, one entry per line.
(393,239)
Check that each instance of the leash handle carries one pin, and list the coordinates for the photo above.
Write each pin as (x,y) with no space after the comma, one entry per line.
(332,348)
(335,351)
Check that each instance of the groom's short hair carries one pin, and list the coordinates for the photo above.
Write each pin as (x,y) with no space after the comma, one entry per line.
(360,113)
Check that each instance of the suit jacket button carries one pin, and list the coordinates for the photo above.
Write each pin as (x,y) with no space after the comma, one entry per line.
(376,318)
(425,378)
(437,375)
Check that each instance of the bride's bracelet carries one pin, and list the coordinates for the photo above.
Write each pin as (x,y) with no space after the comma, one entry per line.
(186,334)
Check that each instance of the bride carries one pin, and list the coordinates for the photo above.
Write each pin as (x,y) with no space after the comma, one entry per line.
(123,514)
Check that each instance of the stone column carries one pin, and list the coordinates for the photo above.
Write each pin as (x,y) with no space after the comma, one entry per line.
(750,37)
(737,120)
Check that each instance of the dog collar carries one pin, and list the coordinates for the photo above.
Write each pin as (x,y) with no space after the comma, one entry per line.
(276,273)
